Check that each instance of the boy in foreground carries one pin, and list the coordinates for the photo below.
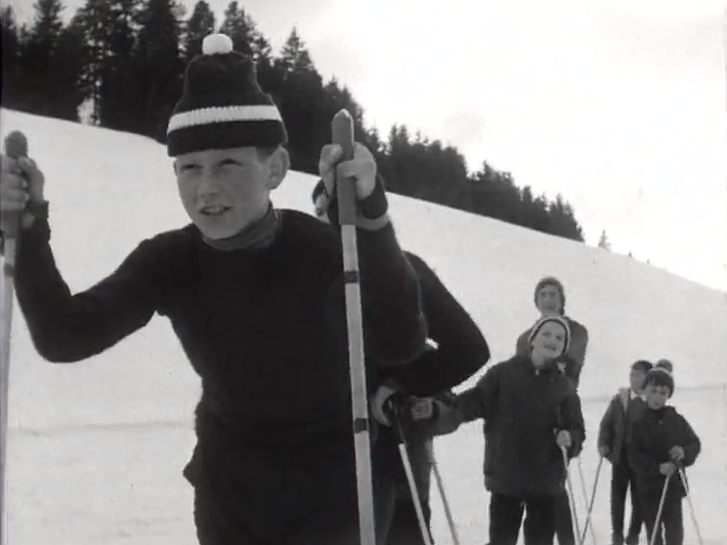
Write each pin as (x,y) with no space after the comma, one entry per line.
(256,298)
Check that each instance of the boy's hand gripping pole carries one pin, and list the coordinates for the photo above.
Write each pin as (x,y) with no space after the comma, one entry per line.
(342,132)
(16,146)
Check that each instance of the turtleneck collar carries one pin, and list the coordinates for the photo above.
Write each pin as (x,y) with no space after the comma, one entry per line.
(258,234)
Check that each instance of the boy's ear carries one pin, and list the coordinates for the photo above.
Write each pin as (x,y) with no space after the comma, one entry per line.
(279,165)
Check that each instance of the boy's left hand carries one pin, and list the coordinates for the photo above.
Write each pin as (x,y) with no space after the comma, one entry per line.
(676,453)
(563,439)
(667,468)
(362,168)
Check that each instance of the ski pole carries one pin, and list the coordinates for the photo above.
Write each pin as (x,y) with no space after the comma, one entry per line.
(571,497)
(585,499)
(445,501)
(657,523)
(683,475)
(406,462)
(342,134)
(590,504)
(16,146)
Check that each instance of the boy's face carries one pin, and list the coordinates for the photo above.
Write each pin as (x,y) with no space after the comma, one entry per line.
(548,300)
(549,342)
(637,379)
(223,191)
(656,396)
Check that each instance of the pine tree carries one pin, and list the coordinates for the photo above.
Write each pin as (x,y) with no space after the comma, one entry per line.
(12,84)
(294,57)
(239,27)
(109,28)
(200,25)
(158,65)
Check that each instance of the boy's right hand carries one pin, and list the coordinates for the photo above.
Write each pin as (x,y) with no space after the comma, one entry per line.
(667,469)
(604,451)
(21,182)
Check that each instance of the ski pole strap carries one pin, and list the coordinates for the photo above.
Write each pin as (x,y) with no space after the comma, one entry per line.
(351,277)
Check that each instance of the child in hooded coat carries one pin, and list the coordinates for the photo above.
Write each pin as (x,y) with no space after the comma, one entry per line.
(531,411)
(255,296)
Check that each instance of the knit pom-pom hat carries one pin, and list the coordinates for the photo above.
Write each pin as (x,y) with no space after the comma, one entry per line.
(222,105)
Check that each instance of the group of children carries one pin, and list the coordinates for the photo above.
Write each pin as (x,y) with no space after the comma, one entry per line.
(256,298)
(531,411)
(648,444)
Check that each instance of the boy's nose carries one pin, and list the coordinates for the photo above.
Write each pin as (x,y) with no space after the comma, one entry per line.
(208,184)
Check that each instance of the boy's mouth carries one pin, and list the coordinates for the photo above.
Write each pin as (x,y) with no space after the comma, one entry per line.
(214,210)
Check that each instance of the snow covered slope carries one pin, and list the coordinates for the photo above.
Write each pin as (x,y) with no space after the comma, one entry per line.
(97,447)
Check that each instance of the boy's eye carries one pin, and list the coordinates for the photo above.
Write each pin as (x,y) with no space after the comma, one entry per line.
(189,167)
(229,162)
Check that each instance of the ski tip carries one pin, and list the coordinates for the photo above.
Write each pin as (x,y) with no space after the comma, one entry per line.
(16,145)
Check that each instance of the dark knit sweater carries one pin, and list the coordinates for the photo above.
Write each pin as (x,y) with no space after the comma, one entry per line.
(265,329)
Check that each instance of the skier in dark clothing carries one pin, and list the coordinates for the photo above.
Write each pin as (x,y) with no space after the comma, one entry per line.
(625,408)
(530,411)
(549,298)
(661,442)
(456,352)
(255,296)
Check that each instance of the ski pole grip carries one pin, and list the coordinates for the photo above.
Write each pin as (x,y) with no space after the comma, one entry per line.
(342,134)
(16,146)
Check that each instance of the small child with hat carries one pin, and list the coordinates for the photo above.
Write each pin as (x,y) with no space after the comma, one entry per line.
(660,446)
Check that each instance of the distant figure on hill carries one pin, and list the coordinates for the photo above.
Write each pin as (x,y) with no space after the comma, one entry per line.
(549,299)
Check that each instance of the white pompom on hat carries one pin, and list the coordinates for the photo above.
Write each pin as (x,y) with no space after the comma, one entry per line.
(217,44)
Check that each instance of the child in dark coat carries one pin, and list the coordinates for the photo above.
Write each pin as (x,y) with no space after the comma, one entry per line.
(625,408)
(531,411)
(661,444)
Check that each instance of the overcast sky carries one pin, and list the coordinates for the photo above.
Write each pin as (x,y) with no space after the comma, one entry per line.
(620,105)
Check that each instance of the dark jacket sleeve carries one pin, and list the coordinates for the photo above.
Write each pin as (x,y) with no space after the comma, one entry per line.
(460,351)
(577,352)
(395,330)
(606,428)
(572,420)
(479,401)
(691,443)
(66,327)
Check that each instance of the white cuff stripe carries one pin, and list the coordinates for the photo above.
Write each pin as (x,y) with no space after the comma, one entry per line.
(223,114)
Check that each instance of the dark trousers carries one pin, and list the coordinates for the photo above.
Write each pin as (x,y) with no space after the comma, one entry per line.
(563,520)
(275,496)
(506,515)
(671,526)
(622,477)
